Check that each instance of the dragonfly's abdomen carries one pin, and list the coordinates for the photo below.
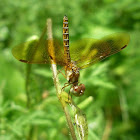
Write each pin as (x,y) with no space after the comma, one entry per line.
(66,40)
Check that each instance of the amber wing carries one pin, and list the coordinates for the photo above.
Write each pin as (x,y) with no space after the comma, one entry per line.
(86,52)
(39,52)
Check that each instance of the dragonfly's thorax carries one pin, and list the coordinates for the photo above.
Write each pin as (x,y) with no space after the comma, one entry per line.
(72,73)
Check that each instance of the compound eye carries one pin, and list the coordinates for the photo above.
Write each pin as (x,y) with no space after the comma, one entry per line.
(82,88)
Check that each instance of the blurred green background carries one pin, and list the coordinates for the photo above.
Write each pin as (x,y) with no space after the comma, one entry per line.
(113,84)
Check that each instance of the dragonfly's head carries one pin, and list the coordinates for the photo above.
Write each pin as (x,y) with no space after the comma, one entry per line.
(78,90)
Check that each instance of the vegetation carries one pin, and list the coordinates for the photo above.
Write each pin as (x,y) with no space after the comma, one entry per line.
(111,100)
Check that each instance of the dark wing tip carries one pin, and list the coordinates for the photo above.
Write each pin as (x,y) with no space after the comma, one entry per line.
(25,61)
(124,47)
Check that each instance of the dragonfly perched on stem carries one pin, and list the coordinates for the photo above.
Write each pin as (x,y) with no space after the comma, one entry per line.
(81,54)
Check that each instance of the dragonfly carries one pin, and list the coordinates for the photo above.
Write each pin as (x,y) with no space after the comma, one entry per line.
(74,57)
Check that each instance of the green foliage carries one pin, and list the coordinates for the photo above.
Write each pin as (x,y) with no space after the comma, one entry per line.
(113,84)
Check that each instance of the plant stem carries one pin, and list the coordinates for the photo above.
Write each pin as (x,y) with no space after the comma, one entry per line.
(107,130)
(60,95)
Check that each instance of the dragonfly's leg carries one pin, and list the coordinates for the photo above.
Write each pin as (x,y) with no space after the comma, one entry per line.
(65,85)
(59,71)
